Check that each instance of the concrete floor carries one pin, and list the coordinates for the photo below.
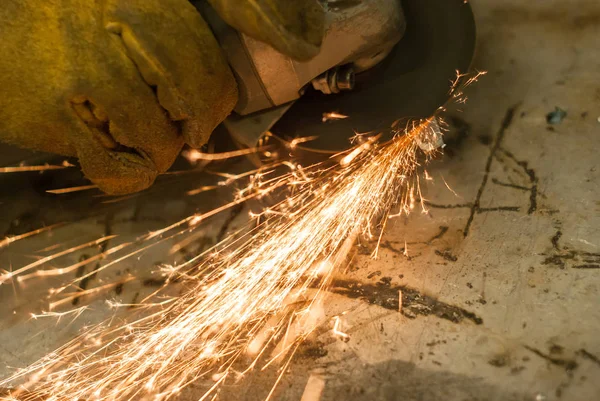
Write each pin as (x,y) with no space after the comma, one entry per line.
(501,286)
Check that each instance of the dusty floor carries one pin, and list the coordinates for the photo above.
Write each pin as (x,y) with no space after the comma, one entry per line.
(501,286)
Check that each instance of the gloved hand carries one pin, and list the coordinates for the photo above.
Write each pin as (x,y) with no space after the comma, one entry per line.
(122,84)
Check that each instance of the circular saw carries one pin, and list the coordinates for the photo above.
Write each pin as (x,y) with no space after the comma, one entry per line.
(381,61)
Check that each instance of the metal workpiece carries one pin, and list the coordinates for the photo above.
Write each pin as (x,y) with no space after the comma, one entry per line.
(358,35)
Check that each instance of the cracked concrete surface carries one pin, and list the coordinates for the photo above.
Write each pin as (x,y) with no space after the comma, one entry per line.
(499,283)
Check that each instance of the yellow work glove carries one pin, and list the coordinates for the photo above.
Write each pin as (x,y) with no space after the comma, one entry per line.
(122,84)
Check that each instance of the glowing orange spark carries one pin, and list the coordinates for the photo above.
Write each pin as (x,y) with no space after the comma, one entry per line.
(450,189)
(332,115)
(9,240)
(194,156)
(72,189)
(9,275)
(358,150)
(45,167)
(296,141)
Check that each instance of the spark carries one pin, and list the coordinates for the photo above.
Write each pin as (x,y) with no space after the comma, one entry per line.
(231,178)
(45,167)
(10,239)
(265,280)
(461,82)
(358,150)
(21,278)
(7,276)
(204,188)
(59,315)
(97,290)
(72,189)
(194,156)
(450,188)
(296,141)
(49,248)
(333,115)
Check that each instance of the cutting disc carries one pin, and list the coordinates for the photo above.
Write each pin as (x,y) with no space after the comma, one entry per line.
(412,83)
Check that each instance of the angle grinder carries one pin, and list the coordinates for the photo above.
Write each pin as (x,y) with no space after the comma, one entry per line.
(380,61)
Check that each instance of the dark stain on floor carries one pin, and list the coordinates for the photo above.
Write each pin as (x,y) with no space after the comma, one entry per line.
(589,356)
(564,257)
(312,350)
(568,364)
(414,303)
(446,254)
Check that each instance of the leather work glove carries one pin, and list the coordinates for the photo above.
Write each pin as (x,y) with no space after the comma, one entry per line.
(122,84)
